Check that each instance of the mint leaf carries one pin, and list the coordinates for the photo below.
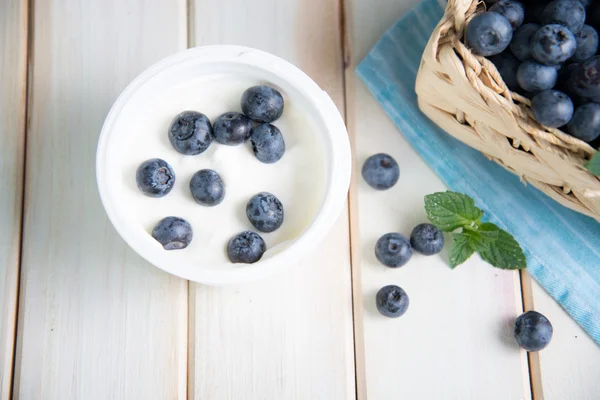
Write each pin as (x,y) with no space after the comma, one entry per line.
(504,252)
(461,250)
(451,210)
(594,164)
(477,240)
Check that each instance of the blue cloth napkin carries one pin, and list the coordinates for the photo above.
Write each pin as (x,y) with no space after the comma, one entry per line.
(562,246)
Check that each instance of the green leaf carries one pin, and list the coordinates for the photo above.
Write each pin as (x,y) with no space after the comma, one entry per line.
(505,252)
(483,236)
(594,164)
(461,250)
(451,210)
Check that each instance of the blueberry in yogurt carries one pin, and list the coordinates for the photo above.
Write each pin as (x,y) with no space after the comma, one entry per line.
(267,143)
(392,301)
(381,171)
(262,103)
(393,250)
(155,177)
(190,133)
(207,187)
(246,247)
(173,233)
(232,128)
(265,212)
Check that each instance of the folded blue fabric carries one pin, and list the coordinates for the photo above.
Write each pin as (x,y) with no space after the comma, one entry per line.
(562,246)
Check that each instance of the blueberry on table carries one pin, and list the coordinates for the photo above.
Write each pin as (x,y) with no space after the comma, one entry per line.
(488,33)
(427,239)
(393,250)
(514,11)
(569,13)
(535,77)
(207,187)
(173,233)
(381,171)
(553,44)
(533,331)
(587,44)
(507,66)
(262,103)
(265,212)
(521,42)
(392,301)
(267,143)
(247,248)
(190,133)
(585,124)
(585,80)
(155,177)
(552,108)
(232,128)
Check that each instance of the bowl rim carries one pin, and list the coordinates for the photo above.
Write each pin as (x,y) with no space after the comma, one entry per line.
(338,161)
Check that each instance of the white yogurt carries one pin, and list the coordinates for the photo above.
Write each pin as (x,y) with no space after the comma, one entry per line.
(298,179)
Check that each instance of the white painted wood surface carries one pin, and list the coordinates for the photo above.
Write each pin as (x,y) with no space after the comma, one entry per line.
(290,336)
(13,73)
(455,341)
(95,320)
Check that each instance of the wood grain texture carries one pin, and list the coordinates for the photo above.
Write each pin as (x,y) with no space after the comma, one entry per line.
(13,78)
(455,341)
(290,336)
(96,321)
(569,368)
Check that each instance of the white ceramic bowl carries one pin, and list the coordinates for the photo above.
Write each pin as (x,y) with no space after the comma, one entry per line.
(298,86)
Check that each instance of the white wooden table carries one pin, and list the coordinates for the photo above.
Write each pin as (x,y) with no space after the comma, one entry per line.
(83,317)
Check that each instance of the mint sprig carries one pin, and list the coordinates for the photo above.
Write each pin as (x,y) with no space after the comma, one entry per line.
(450,211)
(594,164)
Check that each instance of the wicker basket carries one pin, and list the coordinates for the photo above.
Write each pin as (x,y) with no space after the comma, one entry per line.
(464,94)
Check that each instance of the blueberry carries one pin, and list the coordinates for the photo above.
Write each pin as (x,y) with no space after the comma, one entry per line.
(521,42)
(207,187)
(514,11)
(569,13)
(267,143)
(427,239)
(552,108)
(585,3)
(190,133)
(587,44)
(155,177)
(535,77)
(507,65)
(232,128)
(392,301)
(488,33)
(381,171)
(246,247)
(265,212)
(393,250)
(585,80)
(585,124)
(533,331)
(173,233)
(262,103)
(553,44)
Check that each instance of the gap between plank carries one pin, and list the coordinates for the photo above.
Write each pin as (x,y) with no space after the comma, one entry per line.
(28,5)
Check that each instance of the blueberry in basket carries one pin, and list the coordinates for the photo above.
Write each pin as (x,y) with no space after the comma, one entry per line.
(190,133)
(521,42)
(232,128)
(246,248)
(207,187)
(507,65)
(488,34)
(155,177)
(267,143)
(262,103)
(585,81)
(587,44)
(535,77)
(393,250)
(533,331)
(392,301)
(569,13)
(552,108)
(514,11)
(173,233)
(553,44)
(381,171)
(265,212)
(585,124)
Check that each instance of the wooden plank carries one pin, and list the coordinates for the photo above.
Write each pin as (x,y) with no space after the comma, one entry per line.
(455,341)
(570,366)
(96,321)
(13,78)
(289,336)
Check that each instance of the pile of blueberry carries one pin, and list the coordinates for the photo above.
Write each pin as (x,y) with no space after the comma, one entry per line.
(191,133)
(546,51)
(532,330)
